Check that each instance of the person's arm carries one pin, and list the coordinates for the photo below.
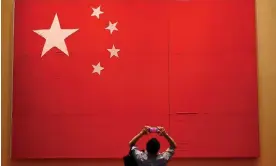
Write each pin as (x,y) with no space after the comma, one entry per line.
(167,155)
(170,140)
(137,154)
(138,136)
(135,139)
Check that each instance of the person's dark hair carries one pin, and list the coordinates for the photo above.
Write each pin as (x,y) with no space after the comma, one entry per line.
(153,146)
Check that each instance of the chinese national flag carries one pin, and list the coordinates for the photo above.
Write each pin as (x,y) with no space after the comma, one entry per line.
(88,75)
(75,96)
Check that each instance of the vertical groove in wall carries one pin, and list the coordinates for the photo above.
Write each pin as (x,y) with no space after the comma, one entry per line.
(169,66)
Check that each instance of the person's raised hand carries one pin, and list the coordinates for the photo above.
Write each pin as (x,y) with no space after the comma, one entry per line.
(161,130)
(145,130)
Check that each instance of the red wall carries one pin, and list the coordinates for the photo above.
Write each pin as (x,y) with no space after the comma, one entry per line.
(192,69)
(266,27)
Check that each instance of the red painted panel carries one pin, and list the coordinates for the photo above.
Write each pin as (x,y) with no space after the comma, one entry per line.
(213,78)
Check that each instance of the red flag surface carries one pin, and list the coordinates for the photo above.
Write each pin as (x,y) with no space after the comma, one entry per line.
(213,78)
(88,75)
